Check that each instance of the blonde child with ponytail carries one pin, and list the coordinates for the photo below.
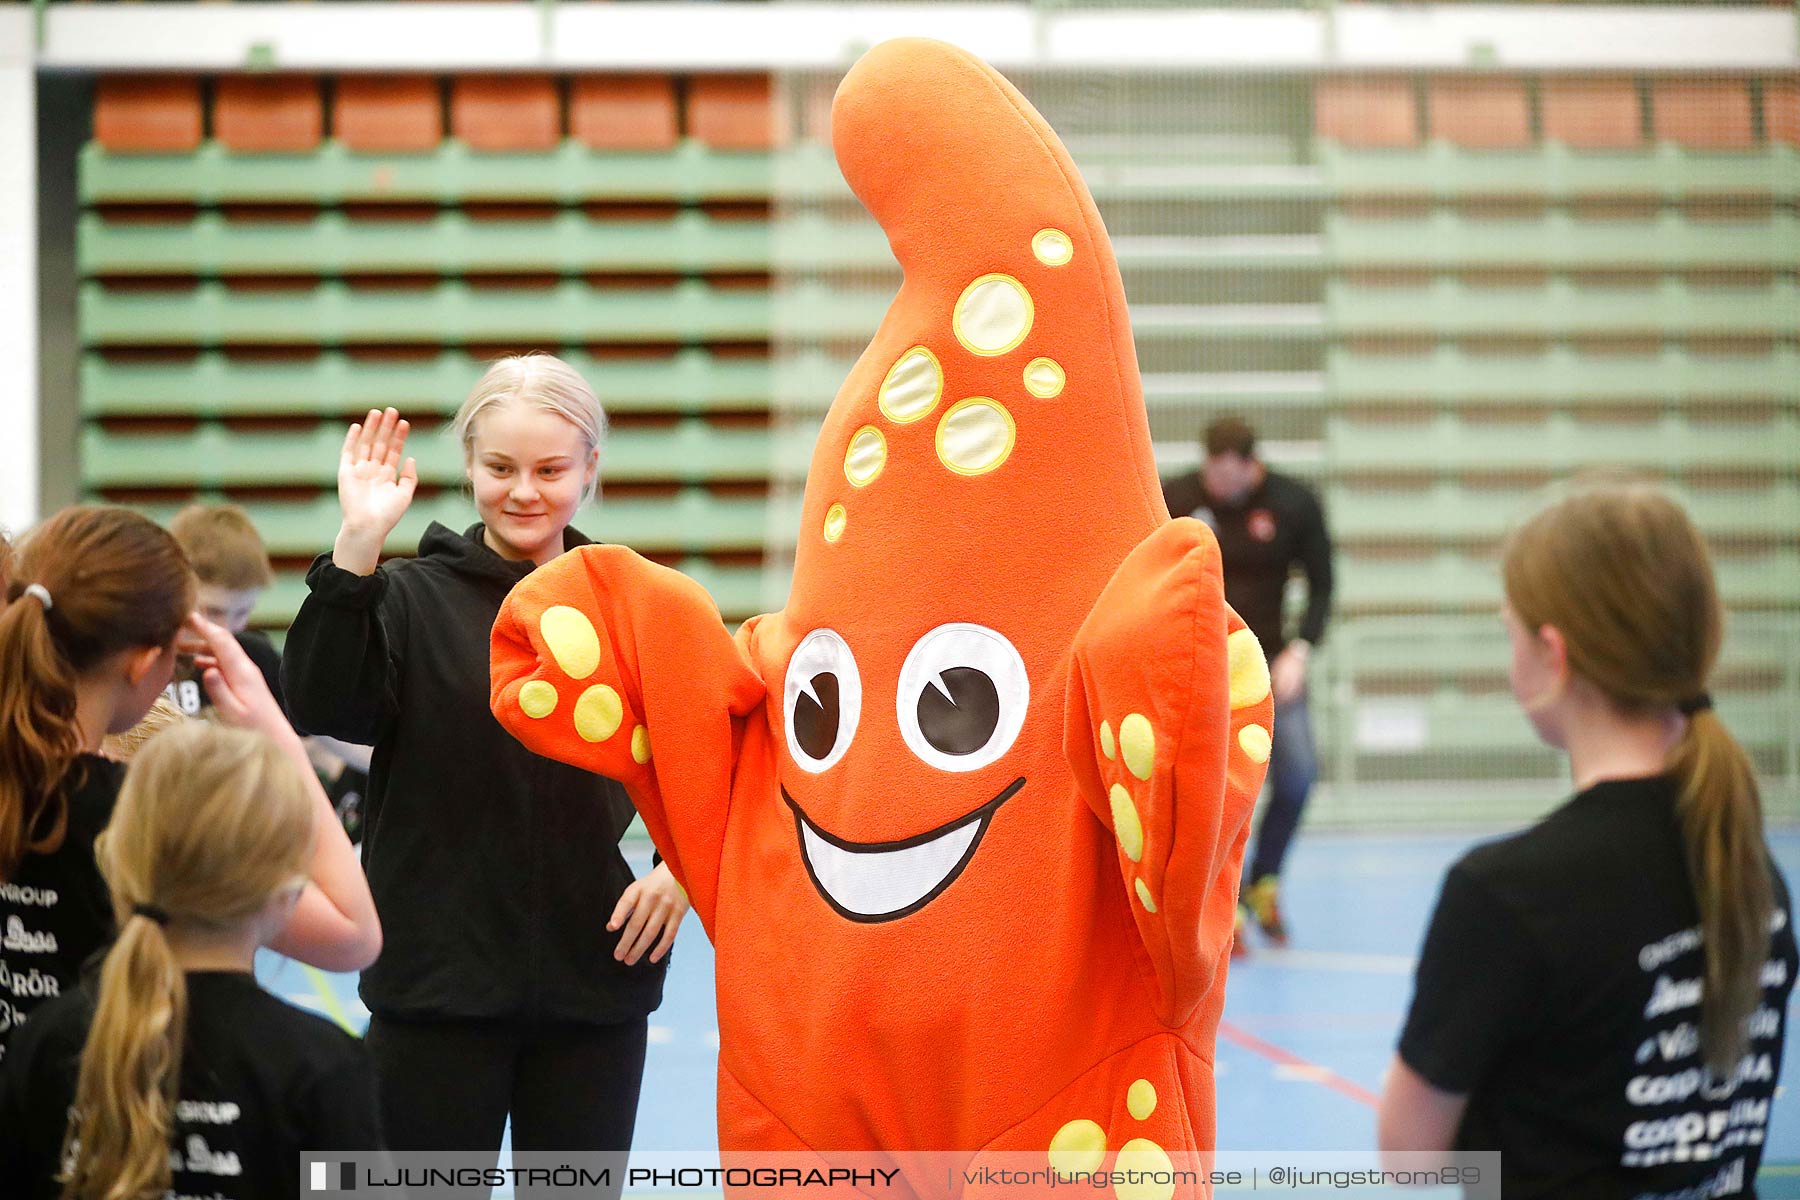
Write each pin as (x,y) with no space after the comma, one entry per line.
(1603,997)
(95,601)
(174,1073)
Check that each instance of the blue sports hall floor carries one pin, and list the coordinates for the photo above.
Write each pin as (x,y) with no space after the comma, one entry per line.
(1308,1030)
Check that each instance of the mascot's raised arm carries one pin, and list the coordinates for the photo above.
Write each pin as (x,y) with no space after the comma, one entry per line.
(964,820)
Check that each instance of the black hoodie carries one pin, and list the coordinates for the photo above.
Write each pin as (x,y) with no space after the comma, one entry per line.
(494,870)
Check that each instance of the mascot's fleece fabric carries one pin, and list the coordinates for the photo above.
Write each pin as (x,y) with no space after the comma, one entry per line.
(964,820)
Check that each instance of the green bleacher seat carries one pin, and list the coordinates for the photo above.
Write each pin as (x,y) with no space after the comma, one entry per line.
(1236,322)
(213,384)
(1186,182)
(1449,511)
(572,173)
(335,314)
(567,242)
(1550,171)
(1451,722)
(213,456)
(1445,239)
(1447,444)
(1449,581)
(1560,375)
(1437,650)
(1184,392)
(450,243)
(1561,309)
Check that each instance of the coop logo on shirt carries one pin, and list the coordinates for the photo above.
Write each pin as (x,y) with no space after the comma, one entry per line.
(1261,524)
(1723,1115)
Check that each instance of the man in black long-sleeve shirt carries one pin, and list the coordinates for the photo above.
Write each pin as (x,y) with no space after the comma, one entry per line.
(1267,525)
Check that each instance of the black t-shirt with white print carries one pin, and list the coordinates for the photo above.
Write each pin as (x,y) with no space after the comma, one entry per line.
(261,1083)
(1559,989)
(55,911)
(187,689)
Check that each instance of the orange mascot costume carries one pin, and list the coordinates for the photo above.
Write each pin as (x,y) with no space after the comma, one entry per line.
(964,821)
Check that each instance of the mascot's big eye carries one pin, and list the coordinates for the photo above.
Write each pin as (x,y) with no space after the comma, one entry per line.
(963,694)
(823,700)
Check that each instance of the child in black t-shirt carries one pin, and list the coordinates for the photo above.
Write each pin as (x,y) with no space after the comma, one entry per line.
(173,1072)
(232,569)
(96,599)
(231,572)
(1603,997)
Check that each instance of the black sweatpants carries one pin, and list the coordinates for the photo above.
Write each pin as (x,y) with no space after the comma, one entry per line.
(450,1085)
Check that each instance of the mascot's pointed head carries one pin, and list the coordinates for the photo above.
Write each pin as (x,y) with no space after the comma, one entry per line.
(981,473)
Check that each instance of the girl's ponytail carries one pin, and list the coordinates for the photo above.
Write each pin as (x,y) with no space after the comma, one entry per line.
(211,825)
(1728,862)
(1645,628)
(88,583)
(117,1145)
(37,717)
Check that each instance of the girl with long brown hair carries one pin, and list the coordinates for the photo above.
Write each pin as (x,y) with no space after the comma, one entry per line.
(1603,997)
(96,600)
(174,1073)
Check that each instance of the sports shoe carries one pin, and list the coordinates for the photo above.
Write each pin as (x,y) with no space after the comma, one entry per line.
(1240,943)
(1265,905)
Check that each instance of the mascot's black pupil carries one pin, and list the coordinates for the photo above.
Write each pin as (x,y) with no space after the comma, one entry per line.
(962,722)
(816,722)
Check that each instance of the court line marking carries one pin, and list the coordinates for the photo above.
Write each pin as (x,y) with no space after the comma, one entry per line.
(328,999)
(1298,1067)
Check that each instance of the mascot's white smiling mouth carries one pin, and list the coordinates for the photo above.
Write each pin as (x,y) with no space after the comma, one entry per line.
(881,881)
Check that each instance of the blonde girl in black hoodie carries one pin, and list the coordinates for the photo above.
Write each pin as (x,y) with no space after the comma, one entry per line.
(521,957)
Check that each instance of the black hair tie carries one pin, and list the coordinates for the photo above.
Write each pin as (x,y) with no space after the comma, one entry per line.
(151,911)
(1697,704)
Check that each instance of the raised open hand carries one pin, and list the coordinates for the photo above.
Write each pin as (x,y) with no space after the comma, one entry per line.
(375,486)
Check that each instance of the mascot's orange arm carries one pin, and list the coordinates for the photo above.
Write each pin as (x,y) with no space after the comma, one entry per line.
(1168,730)
(611,663)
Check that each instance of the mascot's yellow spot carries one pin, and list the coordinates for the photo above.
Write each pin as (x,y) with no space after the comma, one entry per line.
(1140,1101)
(913,386)
(538,699)
(1138,741)
(975,436)
(598,713)
(866,456)
(1106,742)
(572,640)
(1044,378)
(1151,1163)
(1126,823)
(992,316)
(1052,247)
(835,520)
(1254,741)
(1079,1146)
(1249,673)
(640,744)
(1143,892)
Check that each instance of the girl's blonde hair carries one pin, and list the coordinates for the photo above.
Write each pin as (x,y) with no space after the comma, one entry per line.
(211,824)
(115,581)
(542,380)
(123,747)
(1624,575)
